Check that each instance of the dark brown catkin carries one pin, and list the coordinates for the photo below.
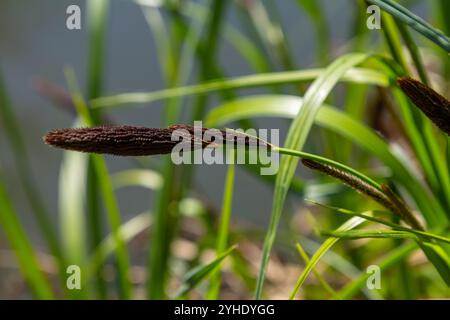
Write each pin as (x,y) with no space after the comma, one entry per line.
(139,141)
(432,104)
(403,211)
(116,140)
(352,181)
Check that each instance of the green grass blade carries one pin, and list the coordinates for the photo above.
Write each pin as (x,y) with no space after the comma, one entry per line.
(198,274)
(298,132)
(97,14)
(317,274)
(224,228)
(97,11)
(164,50)
(21,245)
(72,182)
(128,231)
(363,234)
(357,75)
(372,217)
(415,22)
(113,213)
(187,39)
(349,224)
(105,185)
(439,258)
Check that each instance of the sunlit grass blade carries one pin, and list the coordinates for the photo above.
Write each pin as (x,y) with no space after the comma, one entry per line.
(357,75)
(372,216)
(71,197)
(200,273)
(21,245)
(137,177)
(319,277)
(363,234)
(348,225)
(128,231)
(414,21)
(296,138)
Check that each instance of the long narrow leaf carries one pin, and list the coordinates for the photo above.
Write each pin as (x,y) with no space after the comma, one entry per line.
(296,138)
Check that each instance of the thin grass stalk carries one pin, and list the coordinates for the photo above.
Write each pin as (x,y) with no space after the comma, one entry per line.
(166,222)
(415,22)
(97,14)
(112,209)
(224,228)
(420,143)
(317,274)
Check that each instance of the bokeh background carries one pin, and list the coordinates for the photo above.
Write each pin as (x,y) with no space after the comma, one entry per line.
(35,44)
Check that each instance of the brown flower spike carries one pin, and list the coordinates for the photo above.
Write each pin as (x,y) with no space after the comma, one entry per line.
(386,197)
(135,141)
(435,106)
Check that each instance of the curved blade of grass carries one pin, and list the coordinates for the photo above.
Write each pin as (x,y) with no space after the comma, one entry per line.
(333,119)
(371,216)
(128,230)
(198,274)
(415,22)
(319,277)
(439,258)
(340,264)
(435,254)
(348,225)
(18,239)
(137,177)
(298,132)
(357,75)
(97,14)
